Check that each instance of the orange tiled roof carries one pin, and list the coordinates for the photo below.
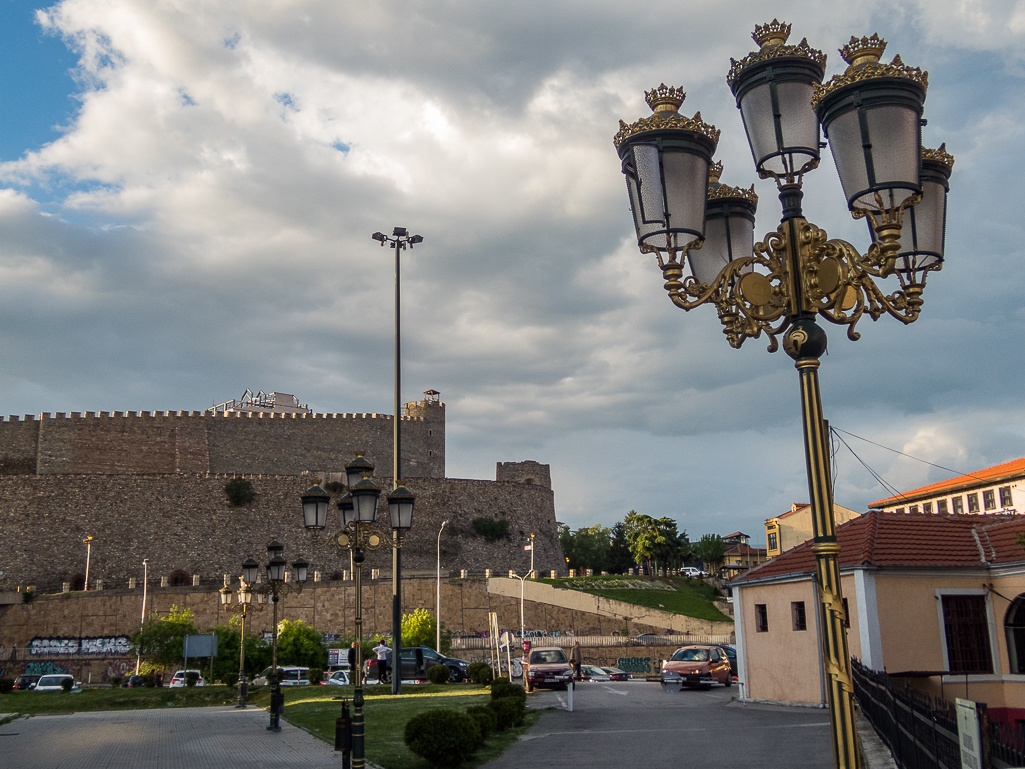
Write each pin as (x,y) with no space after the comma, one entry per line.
(894,539)
(796,508)
(990,474)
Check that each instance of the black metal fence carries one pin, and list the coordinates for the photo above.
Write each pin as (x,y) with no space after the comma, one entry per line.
(920,731)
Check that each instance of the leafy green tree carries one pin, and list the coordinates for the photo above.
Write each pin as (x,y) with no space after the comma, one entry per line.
(258,652)
(644,537)
(711,552)
(300,644)
(676,548)
(620,558)
(162,638)
(586,548)
(419,629)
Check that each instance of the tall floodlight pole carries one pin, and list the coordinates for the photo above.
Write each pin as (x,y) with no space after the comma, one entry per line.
(142,618)
(797,276)
(88,542)
(437,606)
(400,239)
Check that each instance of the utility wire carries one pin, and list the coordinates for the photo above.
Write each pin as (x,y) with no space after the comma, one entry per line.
(882,481)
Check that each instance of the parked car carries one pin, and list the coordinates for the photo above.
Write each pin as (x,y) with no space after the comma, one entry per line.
(24,682)
(415,661)
(594,673)
(54,683)
(549,667)
(290,676)
(698,665)
(134,682)
(178,679)
(731,653)
(337,678)
(648,639)
(691,571)
(616,674)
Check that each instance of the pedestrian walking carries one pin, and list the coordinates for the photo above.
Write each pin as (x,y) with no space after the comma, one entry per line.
(352,658)
(576,660)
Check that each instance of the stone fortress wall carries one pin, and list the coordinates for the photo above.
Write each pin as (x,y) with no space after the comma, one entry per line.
(151,485)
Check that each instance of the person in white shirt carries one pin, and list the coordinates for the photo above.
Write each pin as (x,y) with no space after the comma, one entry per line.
(382,660)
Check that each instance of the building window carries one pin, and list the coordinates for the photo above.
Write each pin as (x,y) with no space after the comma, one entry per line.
(430,433)
(973,503)
(1014,626)
(989,499)
(967,630)
(941,507)
(899,511)
(958,505)
(927,508)
(914,509)
(761,618)
(798,615)
(1005,496)
(772,540)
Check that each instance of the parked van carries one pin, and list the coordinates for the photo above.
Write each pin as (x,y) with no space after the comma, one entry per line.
(293,676)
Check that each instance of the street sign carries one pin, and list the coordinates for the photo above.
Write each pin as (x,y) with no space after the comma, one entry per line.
(528,547)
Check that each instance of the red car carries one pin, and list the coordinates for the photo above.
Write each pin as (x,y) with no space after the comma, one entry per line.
(697,666)
(549,667)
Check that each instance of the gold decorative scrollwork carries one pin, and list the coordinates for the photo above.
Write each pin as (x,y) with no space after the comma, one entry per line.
(362,536)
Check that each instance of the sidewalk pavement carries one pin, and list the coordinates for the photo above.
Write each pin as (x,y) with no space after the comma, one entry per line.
(172,738)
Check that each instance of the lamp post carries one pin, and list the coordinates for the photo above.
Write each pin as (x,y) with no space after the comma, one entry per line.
(142,618)
(437,605)
(358,512)
(872,116)
(275,587)
(522,580)
(244,606)
(88,542)
(400,240)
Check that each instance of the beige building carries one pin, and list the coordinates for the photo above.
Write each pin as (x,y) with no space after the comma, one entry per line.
(936,601)
(739,555)
(789,530)
(997,489)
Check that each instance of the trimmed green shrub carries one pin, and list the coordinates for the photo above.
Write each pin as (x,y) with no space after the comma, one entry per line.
(240,492)
(149,680)
(6,685)
(480,673)
(230,679)
(333,487)
(486,720)
(509,711)
(502,688)
(492,530)
(115,682)
(67,684)
(27,596)
(442,737)
(438,674)
(315,675)
(191,678)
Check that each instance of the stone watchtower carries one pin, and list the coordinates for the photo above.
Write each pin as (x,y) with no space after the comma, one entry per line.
(528,471)
(430,436)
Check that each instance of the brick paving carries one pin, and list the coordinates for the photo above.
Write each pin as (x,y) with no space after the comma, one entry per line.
(175,738)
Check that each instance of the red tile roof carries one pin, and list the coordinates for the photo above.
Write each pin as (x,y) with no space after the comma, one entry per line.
(893,539)
(795,508)
(1015,468)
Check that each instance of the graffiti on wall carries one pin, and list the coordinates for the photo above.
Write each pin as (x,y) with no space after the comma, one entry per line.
(44,668)
(118,669)
(634,664)
(62,647)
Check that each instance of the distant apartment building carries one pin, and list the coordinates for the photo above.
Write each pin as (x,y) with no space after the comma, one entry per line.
(738,555)
(998,489)
(787,531)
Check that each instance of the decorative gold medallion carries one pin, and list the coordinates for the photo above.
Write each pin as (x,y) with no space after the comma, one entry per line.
(828,275)
(756,289)
(374,540)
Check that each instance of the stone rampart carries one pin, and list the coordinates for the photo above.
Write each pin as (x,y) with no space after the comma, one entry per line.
(143,443)
(185,522)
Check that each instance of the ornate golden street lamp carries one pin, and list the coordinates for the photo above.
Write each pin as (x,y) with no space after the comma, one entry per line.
(358,512)
(871,115)
(243,608)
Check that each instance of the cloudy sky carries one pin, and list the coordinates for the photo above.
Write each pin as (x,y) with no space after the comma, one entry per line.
(187,193)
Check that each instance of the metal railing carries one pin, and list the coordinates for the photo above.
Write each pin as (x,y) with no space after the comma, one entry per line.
(593,641)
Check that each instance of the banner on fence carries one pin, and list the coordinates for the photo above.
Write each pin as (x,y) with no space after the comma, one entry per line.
(968,734)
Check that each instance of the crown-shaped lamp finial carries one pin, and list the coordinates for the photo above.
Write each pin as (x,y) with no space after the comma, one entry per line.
(665,98)
(714,172)
(867,50)
(774,33)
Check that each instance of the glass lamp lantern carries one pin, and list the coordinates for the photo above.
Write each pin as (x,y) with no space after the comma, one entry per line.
(225,596)
(729,228)
(314,503)
(364,498)
(872,116)
(249,570)
(773,87)
(276,565)
(302,568)
(346,510)
(356,468)
(245,596)
(665,159)
(400,508)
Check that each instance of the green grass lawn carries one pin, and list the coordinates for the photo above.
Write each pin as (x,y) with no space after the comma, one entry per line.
(313,708)
(680,595)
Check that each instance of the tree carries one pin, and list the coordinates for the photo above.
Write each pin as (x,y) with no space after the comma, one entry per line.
(258,652)
(676,548)
(620,559)
(162,638)
(300,644)
(586,548)
(644,537)
(711,552)
(418,628)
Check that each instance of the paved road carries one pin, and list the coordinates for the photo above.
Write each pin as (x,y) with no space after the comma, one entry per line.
(176,738)
(637,724)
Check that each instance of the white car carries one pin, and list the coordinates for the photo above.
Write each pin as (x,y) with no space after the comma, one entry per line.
(178,679)
(691,571)
(289,677)
(53,683)
(338,678)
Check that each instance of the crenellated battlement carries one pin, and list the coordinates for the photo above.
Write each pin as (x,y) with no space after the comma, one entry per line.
(200,415)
